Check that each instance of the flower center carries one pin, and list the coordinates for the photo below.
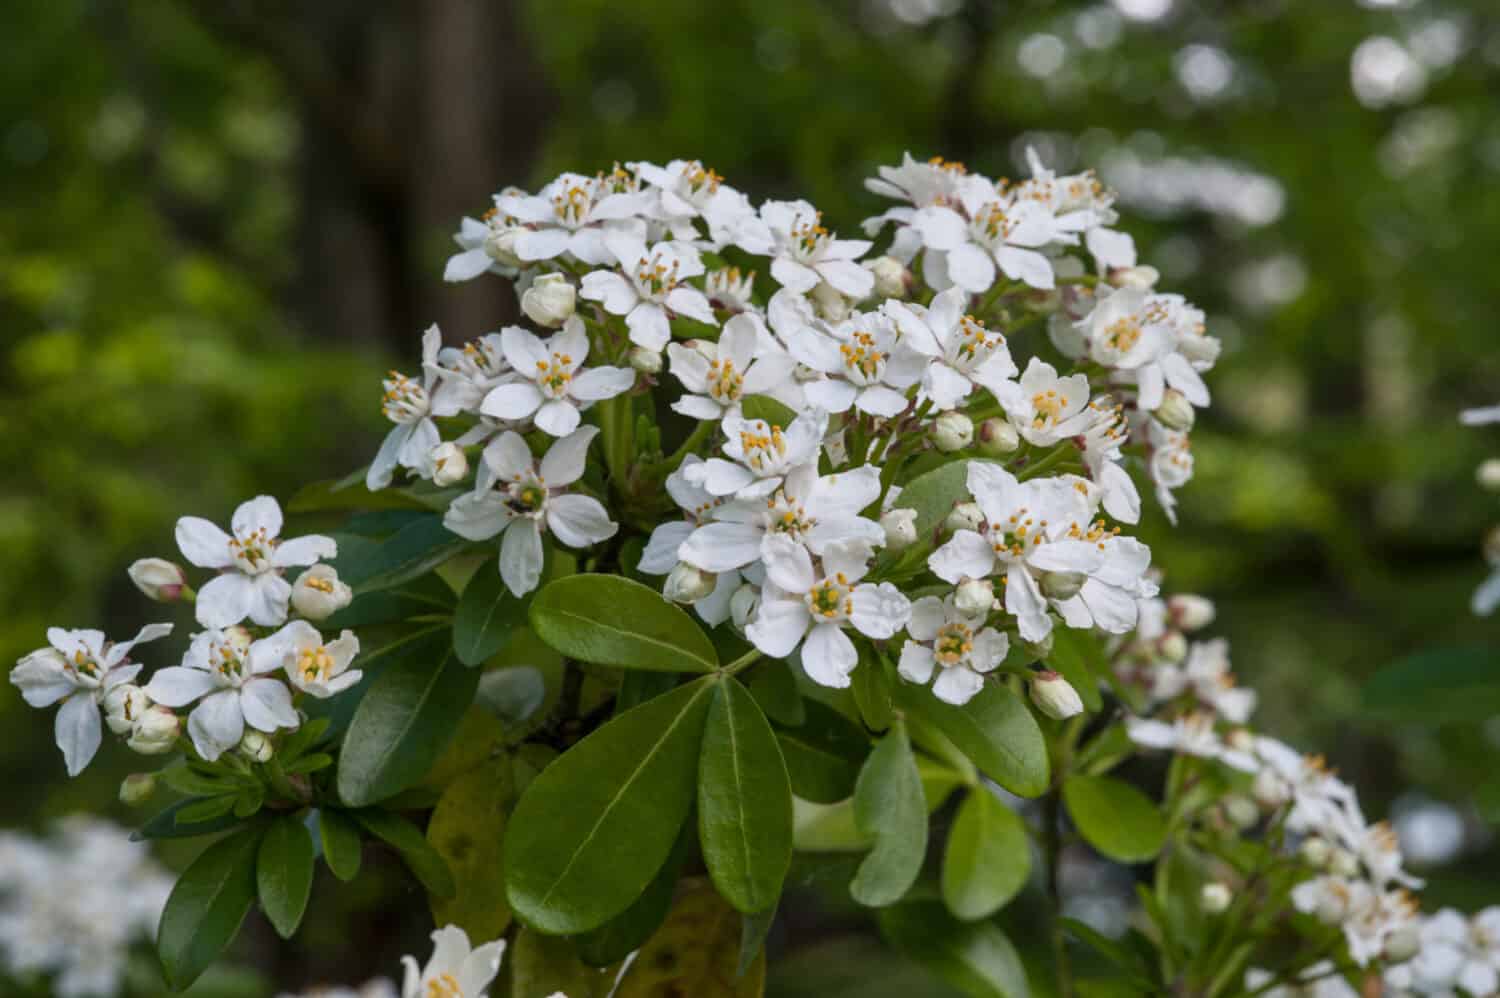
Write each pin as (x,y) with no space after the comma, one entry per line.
(315,664)
(992,224)
(783,516)
(444,986)
(1048,408)
(85,665)
(701,179)
(654,278)
(1122,334)
(829,599)
(809,237)
(405,401)
(975,342)
(762,450)
(228,661)
(862,357)
(553,376)
(952,645)
(528,497)
(724,383)
(572,205)
(1096,533)
(252,552)
(1011,538)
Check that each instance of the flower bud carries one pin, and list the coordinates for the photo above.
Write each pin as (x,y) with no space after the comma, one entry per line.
(123,707)
(1140,278)
(688,584)
(1062,585)
(156,732)
(830,304)
(900,527)
(952,431)
(1241,740)
(159,579)
(975,597)
(1488,475)
(550,300)
(1241,812)
(1215,898)
(1189,612)
(892,279)
(1403,944)
(450,465)
(1343,863)
(1054,695)
(501,246)
(1175,411)
(964,516)
(1315,852)
(646,361)
(743,604)
(1268,789)
(1038,651)
(1332,907)
(997,438)
(318,593)
(1173,646)
(256,747)
(137,788)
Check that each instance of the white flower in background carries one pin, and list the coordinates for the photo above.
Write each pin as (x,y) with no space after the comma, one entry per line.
(963,353)
(455,970)
(1106,433)
(1045,408)
(954,644)
(1080,202)
(661,552)
(762,454)
(573,215)
(798,602)
(1207,672)
(518,497)
(742,365)
(1136,334)
(1369,917)
(1107,596)
(652,289)
(465,375)
(867,365)
(995,229)
(921,184)
(80,668)
(553,384)
(1456,951)
(228,674)
(686,189)
(319,593)
(1482,416)
(729,289)
(1170,465)
(1317,981)
(805,254)
(487,244)
(1487,596)
(812,510)
(408,404)
(251,561)
(1319,800)
(315,667)
(1192,734)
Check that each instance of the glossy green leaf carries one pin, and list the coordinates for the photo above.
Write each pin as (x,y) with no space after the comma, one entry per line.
(548,965)
(428,642)
(744,802)
(423,860)
(343,846)
(467,829)
(486,616)
(1079,657)
(284,873)
(826,827)
(1441,686)
(627,931)
(987,859)
(608,620)
(775,689)
(169,823)
(414,550)
(933,495)
(402,725)
(995,730)
(890,808)
(872,694)
(426,595)
(203,809)
(593,828)
(974,957)
(823,754)
(1114,817)
(767,408)
(207,905)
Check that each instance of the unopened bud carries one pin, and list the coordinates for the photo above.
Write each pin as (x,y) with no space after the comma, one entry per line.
(646,361)
(1141,278)
(743,604)
(159,579)
(319,593)
(123,707)
(1241,812)
(964,516)
(1038,651)
(1343,863)
(1332,907)
(892,279)
(1488,475)
(1189,612)
(830,304)
(975,597)
(550,300)
(1215,898)
(501,246)
(137,788)
(1173,647)
(1054,695)
(1403,944)
(450,465)
(1315,852)
(1175,411)
(1062,585)
(1268,789)
(688,584)
(156,732)
(997,438)
(900,527)
(256,747)
(952,431)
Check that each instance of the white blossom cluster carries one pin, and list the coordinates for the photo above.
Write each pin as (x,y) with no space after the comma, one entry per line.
(73,904)
(245,669)
(456,969)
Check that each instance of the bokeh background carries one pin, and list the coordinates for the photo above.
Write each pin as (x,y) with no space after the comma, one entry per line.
(221,220)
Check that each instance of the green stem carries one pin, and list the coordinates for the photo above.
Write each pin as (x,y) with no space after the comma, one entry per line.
(691,444)
(742,663)
(1062,452)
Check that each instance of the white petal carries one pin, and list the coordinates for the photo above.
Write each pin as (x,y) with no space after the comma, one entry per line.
(225,600)
(1024,601)
(557,418)
(598,383)
(579,521)
(307,550)
(788,565)
(945,386)
(269,596)
(477,516)
(990,647)
(508,456)
(878,611)
(521,557)
(971,268)
(719,547)
(957,685)
(831,395)
(847,277)
(878,400)
(515,401)
(260,513)
(611,290)
(917,663)
(828,656)
(385,462)
(940,227)
(178,686)
(480,967)
(698,407)
(778,625)
(217,724)
(524,350)
(466,265)
(660,555)
(565,459)
(722,478)
(203,543)
(78,731)
(1065,556)
(966,555)
(927,617)
(790,274)
(542,244)
(691,303)
(267,705)
(648,326)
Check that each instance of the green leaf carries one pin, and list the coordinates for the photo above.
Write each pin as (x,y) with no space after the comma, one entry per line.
(754,928)
(767,408)
(608,620)
(335,495)
(890,808)
(695,953)
(343,847)
(424,596)
(775,689)
(933,495)
(401,835)
(872,694)
(206,808)
(1440,686)
(547,965)
(429,643)
(284,873)
(593,828)
(744,802)
(995,730)
(823,754)
(467,829)
(1078,656)
(206,907)
(414,550)
(1114,817)
(487,614)
(637,687)
(974,957)
(402,725)
(184,780)
(166,824)
(826,827)
(627,931)
(987,859)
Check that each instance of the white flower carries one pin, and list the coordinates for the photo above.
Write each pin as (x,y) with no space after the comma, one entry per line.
(729,289)
(314,667)
(867,365)
(251,560)
(994,229)
(554,385)
(487,244)
(1192,734)
(1317,981)
(573,215)
(319,593)
(762,454)
(80,668)
(1046,408)
(660,554)
(920,185)
(1170,465)
(805,254)
(1487,596)
(550,300)
(747,362)
(1054,695)
(1208,673)
(955,644)
(467,374)
(964,353)
(1109,594)
(653,288)
(517,496)
(456,969)
(798,602)
(1455,952)
(228,674)
(409,405)
(686,189)
(1319,800)
(123,706)
(1137,333)
(1107,431)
